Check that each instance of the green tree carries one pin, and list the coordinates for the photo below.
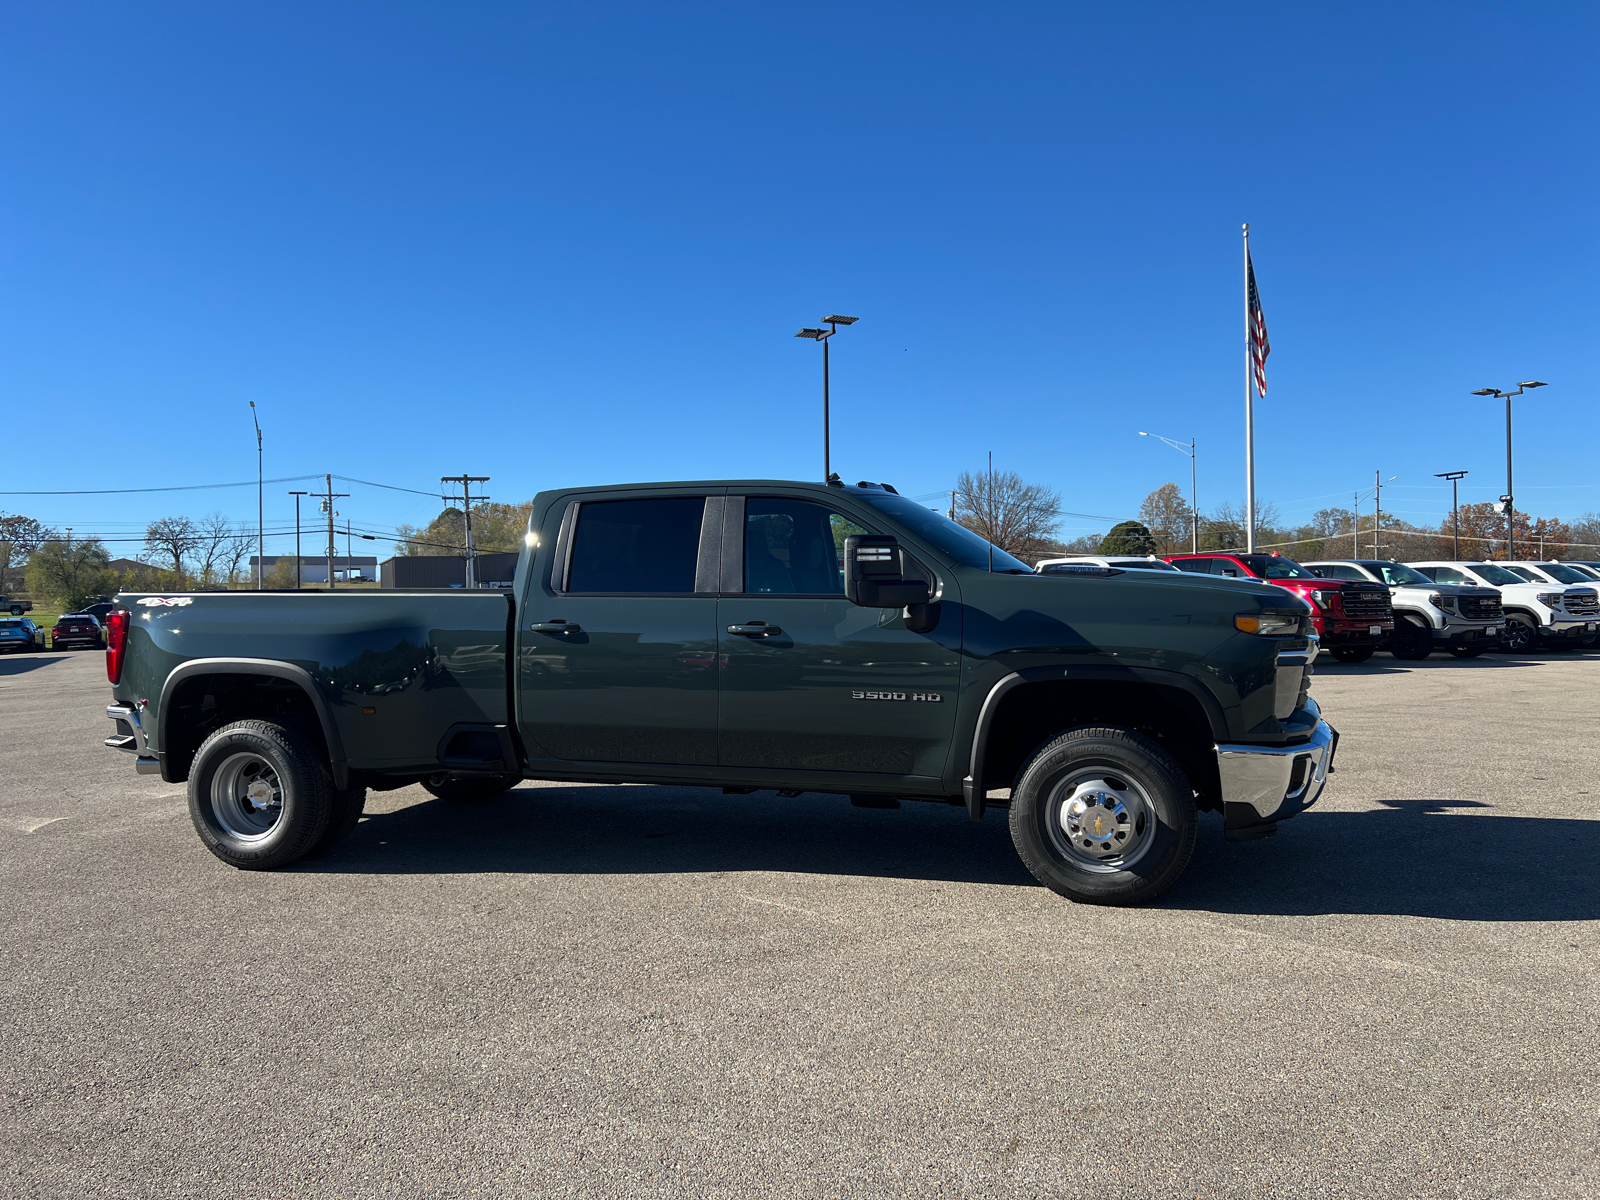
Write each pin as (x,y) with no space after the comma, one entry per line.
(1166,514)
(1128,537)
(72,575)
(495,528)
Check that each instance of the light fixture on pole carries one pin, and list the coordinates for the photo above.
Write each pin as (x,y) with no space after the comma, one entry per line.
(1508,504)
(261,536)
(1194,499)
(1377,506)
(822,335)
(1455,478)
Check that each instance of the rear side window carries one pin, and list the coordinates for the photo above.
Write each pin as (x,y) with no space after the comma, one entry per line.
(1224,566)
(1339,571)
(636,545)
(1445,575)
(1195,566)
(794,547)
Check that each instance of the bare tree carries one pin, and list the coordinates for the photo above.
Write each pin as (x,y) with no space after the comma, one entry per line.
(173,537)
(212,533)
(235,550)
(1166,514)
(19,538)
(1020,518)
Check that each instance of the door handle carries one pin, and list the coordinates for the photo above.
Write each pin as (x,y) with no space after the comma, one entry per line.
(755,629)
(555,627)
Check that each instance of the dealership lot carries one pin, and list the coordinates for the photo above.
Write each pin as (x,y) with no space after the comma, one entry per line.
(576,990)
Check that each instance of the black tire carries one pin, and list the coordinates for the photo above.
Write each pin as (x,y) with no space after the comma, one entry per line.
(259,829)
(344,816)
(1467,651)
(464,789)
(1521,635)
(1352,654)
(1160,819)
(1410,641)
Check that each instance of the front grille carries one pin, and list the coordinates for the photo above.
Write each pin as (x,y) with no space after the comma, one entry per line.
(1582,603)
(1366,602)
(1481,608)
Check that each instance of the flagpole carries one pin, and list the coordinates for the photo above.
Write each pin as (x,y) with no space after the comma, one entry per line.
(1249,415)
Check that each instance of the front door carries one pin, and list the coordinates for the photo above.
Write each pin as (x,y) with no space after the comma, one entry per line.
(618,654)
(811,682)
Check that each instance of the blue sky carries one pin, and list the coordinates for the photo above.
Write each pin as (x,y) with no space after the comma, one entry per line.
(570,244)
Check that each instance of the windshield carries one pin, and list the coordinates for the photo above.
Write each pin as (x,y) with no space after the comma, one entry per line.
(1400,575)
(1270,566)
(1564,573)
(959,542)
(1498,576)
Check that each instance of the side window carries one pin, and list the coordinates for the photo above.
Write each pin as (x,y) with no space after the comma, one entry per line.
(1195,566)
(1445,575)
(1336,571)
(1223,566)
(636,545)
(794,547)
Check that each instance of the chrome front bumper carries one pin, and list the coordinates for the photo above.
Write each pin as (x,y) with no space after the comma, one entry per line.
(1278,781)
(130,738)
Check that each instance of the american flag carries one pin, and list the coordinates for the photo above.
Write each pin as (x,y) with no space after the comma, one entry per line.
(1259,346)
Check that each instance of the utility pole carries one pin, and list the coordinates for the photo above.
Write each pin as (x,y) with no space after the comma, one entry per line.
(466,482)
(327,498)
(1455,478)
(1355,525)
(952,505)
(1377,509)
(261,534)
(349,559)
(297,496)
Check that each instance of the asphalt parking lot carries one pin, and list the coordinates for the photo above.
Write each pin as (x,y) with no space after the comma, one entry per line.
(641,991)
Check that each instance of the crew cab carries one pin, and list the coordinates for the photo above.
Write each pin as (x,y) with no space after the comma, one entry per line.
(1352,617)
(1464,620)
(1558,615)
(749,635)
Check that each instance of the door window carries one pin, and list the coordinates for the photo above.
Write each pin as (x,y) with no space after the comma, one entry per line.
(1227,567)
(1195,566)
(1447,575)
(794,547)
(1340,571)
(637,546)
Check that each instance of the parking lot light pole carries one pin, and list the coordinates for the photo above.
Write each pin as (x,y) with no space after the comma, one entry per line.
(297,496)
(1455,478)
(822,335)
(1194,499)
(261,536)
(1508,503)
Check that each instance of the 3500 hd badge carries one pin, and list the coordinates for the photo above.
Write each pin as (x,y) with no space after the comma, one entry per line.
(928,697)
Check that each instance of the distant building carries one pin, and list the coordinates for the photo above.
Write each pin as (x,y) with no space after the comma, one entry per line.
(313,570)
(446,571)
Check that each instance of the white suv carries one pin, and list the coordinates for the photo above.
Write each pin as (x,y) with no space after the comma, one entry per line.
(1557,614)
(1428,616)
(1125,562)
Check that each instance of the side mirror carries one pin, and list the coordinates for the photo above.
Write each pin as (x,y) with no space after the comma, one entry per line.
(875,573)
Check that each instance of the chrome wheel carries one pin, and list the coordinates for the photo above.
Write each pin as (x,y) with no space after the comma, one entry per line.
(247,797)
(1100,820)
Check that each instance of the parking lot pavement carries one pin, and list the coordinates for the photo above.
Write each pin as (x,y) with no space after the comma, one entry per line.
(641,991)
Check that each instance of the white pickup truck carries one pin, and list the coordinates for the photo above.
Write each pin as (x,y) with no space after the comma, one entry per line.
(1561,616)
(1465,619)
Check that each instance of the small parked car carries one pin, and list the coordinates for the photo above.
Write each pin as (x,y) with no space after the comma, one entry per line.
(19,635)
(1428,616)
(1353,618)
(76,629)
(1559,615)
(1122,562)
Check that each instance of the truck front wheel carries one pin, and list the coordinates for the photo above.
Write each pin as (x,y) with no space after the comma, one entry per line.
(1104,816)
(260,795)
(1521,635)
(1411,640)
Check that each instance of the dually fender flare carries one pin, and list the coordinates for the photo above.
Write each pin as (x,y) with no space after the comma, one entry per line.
(274,668)
(975,796)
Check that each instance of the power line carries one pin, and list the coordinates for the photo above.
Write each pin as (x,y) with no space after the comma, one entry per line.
(193,487)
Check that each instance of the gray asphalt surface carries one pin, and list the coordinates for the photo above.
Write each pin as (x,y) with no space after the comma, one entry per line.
(640,991)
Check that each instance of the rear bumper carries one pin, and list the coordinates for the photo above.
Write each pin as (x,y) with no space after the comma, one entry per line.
(130,738)
(1262,785)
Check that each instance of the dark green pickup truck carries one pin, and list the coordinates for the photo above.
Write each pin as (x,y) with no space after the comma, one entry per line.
(746,635)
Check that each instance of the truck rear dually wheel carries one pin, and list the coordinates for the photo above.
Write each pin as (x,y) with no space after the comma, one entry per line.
(1104,816)
(260,795)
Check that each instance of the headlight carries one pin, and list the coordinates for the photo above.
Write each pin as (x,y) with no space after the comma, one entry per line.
(1550,599)
(1268,623)
(1448,603)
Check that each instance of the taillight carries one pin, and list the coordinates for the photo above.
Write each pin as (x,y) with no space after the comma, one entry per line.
(116,643)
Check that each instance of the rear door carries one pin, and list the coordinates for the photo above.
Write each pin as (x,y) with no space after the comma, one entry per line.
(617,657)
(811,682)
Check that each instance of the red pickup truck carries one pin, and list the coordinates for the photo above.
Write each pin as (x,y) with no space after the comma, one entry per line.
(1352,618)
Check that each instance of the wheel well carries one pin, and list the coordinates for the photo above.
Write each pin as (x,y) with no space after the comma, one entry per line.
(1029,716)
(202,704)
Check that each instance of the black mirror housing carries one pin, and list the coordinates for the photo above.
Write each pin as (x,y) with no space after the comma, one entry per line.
(875,573)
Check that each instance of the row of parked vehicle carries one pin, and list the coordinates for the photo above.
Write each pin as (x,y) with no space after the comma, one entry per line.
(1361,605)
(72,631)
